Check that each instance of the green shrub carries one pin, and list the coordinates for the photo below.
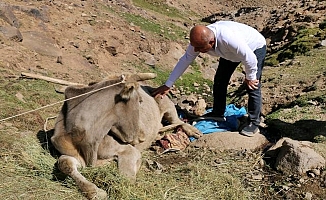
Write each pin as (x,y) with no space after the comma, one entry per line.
(305,40)
(287,54)
(271,60)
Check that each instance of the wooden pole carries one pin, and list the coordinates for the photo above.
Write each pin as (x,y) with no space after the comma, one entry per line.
(52,80)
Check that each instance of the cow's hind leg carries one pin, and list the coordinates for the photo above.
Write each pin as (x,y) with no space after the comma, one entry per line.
(69,165)
(170,114)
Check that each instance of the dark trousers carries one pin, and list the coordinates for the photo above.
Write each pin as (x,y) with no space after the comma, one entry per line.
(221,80)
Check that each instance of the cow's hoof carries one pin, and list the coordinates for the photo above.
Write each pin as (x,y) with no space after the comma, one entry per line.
(101,194)
(98,195)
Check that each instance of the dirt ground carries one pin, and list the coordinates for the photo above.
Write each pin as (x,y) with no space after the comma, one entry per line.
(84,41)
(90,42)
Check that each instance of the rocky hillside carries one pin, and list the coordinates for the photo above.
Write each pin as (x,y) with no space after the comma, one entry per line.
(83,41)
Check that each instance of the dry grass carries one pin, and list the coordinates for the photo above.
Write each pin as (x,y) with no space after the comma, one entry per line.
(28,172)
(26,169)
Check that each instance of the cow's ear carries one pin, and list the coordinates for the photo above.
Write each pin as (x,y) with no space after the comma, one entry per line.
(129,90)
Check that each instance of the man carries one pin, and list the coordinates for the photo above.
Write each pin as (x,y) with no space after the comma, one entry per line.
(234,43)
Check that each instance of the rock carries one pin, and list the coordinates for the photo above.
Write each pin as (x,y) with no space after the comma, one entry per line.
(295,157)
(11,33)
(200,107)
(40,43)
(323,43)
(20,97)
(308,196)
(230,140)
(7,15)
(112,50)
(39,13)
(191,99)
(175,52)
(148,58)
(59,60)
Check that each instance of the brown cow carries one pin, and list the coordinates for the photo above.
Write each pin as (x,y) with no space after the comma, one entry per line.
(117,122)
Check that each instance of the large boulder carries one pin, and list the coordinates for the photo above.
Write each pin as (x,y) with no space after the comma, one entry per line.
(296,157)
(231,140)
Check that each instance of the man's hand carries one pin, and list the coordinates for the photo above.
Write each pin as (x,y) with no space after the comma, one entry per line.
(252,84)
(160,91)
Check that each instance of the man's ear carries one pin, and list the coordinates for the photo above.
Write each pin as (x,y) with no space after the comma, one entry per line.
(212,42)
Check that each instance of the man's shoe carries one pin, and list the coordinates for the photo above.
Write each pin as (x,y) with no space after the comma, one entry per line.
(211,116)
(250,130)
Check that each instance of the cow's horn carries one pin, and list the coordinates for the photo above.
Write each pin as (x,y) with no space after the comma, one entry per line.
(142,76)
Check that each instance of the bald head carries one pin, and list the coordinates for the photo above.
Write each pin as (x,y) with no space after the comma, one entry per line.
(200,35)
(202,38)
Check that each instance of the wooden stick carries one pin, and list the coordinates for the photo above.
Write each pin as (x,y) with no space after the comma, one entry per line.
(52,80)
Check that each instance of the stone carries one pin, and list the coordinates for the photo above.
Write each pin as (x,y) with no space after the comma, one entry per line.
(230,141)
(295,157)
(11,33)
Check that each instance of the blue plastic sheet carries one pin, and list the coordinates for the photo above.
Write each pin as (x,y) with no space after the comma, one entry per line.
(232,113)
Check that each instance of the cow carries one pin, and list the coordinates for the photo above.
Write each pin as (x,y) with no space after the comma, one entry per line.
(114,119)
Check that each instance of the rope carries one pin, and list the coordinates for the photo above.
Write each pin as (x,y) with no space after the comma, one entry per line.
(49,105)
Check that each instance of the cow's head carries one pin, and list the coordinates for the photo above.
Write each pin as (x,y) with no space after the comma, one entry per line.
(111,105)
(127,105)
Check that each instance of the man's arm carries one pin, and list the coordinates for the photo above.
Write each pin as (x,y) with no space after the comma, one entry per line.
(183,63)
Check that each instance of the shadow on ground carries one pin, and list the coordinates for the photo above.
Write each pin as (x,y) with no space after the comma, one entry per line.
(309,130)
(44,138)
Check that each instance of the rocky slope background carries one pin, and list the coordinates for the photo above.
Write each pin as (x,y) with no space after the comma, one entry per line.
(85,41)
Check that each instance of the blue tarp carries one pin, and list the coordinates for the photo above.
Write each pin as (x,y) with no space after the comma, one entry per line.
(232,113)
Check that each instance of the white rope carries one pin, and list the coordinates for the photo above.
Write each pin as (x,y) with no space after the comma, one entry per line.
(49,105)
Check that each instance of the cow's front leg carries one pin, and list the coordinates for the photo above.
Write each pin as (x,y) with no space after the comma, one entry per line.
(89,144)
(127,156)
(191,131)
(89,151)
(69,165)
(129,161)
